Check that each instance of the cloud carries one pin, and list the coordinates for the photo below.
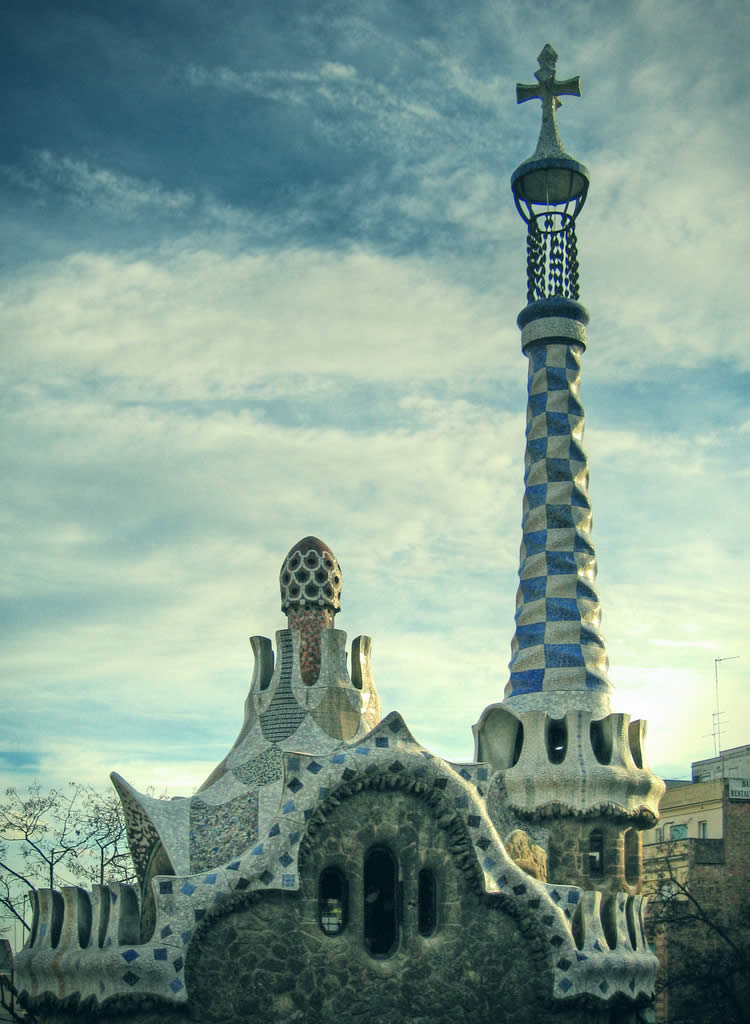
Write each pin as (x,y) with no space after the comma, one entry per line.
(118,194)
(298,316)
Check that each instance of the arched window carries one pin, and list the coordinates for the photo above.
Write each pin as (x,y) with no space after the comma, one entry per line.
(518,745)
(333,893)
(381,893)
(601,740)
(427,902)
(632,856)
(596,853)
(557,739)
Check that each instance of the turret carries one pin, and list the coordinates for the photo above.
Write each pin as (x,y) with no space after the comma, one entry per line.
(560,752)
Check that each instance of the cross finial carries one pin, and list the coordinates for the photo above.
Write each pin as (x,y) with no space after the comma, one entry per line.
(548,90)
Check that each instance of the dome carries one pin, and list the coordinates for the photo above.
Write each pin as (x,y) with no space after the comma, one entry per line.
(310,576)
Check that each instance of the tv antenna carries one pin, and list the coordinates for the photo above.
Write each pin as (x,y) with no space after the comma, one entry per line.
(718,715)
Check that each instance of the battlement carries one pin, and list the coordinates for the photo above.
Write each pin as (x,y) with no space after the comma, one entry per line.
(82,944)
(283,691)
(75,918)
(577,763)
(270,669)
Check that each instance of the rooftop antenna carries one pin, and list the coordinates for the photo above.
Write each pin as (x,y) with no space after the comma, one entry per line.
(717,715)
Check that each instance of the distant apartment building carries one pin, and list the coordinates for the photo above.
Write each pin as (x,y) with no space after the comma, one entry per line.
(696,869)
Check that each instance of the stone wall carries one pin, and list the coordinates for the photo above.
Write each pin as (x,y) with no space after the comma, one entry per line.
(570,854)
(273,963)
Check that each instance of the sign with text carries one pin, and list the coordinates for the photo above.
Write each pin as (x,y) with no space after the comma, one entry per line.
(739,789)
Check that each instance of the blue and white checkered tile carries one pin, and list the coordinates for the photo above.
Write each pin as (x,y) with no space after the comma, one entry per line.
(557,643)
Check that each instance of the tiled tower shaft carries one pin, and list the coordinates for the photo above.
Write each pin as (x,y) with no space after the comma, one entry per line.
(558,656)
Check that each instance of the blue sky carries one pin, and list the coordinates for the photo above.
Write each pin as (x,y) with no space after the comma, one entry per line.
(260,279)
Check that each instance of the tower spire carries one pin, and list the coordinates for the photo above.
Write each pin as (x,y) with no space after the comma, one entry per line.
(558,656)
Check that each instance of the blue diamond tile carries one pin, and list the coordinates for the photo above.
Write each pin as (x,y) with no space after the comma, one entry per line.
(314,767)
(130,955)
(234,866)
(295,785)
(176,985)
(257,851)
(573,896)
(165,888)
(287,881)
(364,751)
(462,801)
(293,838)
(288,807)
(293,763)
(338,759)
(565,984)
(187,935)
(473,821)
(381,741)
(274,830)
(465,774)
(488,864)
(555,895)
(160,954)
(166,932)
(209,880)
(130,978)
(188,889)
(286,860)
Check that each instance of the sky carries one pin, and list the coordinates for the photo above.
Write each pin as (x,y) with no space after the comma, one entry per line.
(260,276)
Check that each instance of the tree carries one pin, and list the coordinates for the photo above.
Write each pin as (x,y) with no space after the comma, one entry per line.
(107,858)
(702,929)
(58,837)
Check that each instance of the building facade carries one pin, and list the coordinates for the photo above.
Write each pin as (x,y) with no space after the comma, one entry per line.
(696,876)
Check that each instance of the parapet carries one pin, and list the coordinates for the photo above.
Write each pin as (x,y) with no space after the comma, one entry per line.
(575,764)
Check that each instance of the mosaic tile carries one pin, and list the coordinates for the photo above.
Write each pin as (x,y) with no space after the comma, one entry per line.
(284,715)
(217,833)
(264,768)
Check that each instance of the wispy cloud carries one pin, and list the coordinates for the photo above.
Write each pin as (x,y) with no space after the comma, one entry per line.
(273,292)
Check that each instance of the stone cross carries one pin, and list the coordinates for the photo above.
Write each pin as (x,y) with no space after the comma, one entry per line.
(547,91)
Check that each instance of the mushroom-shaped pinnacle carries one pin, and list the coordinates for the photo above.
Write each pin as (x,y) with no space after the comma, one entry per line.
(310,577)
(310,581)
